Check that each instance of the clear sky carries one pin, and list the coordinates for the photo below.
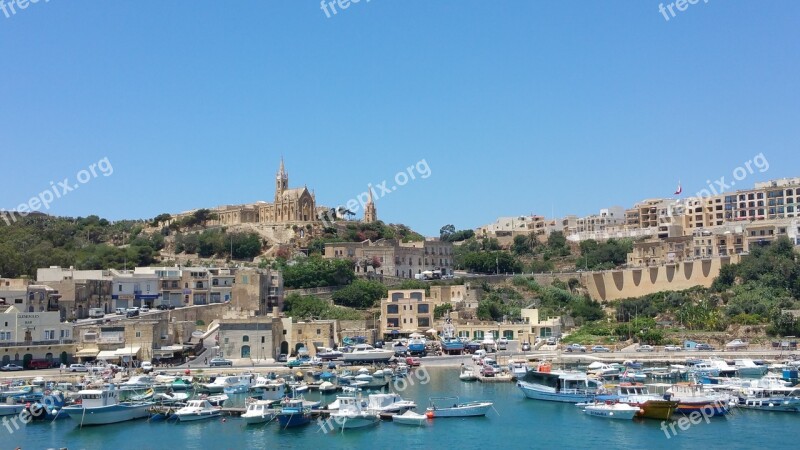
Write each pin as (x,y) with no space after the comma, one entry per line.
(516,107)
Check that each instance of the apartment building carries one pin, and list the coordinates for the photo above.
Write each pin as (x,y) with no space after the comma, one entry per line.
(79,290)
(392,258)
(258,290)
(406,311)
(130,289)
(25,336)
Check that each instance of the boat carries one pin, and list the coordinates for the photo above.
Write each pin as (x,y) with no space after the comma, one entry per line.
(388,403)
(518,368)
(410,418)
(366,353)
(769,394)
(215,400)
(736,344)
(220,383)
(169,398)
(181,384)
(652,406)
(566,387)
(351,413)
(293,413)
(269,389)
(11,409)
(416,346)
(197,410)
(601,369)
(469,409)
(138,382)
(703,369)
(328,354)
(611,410)
(327,387)
(146,395)
(467,374)
(692,397)
(632,376)
(449,341)
(102,406)
(747,368)
(259,411)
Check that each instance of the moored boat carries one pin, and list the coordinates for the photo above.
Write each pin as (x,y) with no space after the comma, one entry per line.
(652,406)
(410,418)
(197,410)
(293,413)
(567,387)
(611,410)
(258,411)
(469,409)
(352,415)
(101,407)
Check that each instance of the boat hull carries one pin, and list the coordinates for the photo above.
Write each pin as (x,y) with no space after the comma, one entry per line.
(772,404)
(293,419)
(254,419)
(360,421)
(708,409)
(193,417)
(657,409)
(611,413)
(537,392)
(107,414)
(471,411)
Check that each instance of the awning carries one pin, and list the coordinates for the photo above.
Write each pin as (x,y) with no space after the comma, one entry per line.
(87,353)
(162,353)
(127,351)
(108,355)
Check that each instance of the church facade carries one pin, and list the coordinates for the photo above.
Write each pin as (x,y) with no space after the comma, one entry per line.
(290,205)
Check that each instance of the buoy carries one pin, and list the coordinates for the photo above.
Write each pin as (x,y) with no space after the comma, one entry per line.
(224,420)
(429,414)
(187,372)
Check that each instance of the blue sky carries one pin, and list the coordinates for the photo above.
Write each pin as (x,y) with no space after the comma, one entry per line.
(517,107)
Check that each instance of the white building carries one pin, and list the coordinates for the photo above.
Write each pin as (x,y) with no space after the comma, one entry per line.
(37,328)
(134,289)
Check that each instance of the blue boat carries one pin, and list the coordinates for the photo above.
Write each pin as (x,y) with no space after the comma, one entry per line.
(294,413)
(450,343)
(416,346)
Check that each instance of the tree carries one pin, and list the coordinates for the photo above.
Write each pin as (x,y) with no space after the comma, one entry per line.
(160,218)
(441,310)
(446,231)
(524,245)
(361,294)
(315,271)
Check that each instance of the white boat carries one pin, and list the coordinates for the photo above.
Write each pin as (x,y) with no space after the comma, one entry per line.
(602,369)
(736,344)
(220,383)
(171,398)
(367,354)
(747,368)
(351,414)
(269,389)
(467,374)
(410,418)
(566,387)
(327,354)
(621,411)
(11,409)
(138,382)
(389,403)
(259,411)
(327,387)
(101,407)
(769,393)
(518,368)
(216,400)
(197,410)
(469,409)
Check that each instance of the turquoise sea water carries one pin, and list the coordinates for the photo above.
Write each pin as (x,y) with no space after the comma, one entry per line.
(516,423)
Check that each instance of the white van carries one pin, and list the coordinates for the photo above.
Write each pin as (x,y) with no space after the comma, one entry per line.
(96,313)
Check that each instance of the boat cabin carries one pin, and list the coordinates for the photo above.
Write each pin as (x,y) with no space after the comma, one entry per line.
(97,398)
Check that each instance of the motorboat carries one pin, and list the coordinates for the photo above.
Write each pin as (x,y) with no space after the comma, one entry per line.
(138,382)
(416,346)
(469,409)
(601,369)
(693,397)
(769,393)
(328,354)
(611,410)
(11,409)
(366,353)
(293,413)
(410,418)
(197,410)
(220,383)
(747,368)
(259,411)
(467,374)
(388,403)
(269,389)
(216,400)
(652,406)
(736,344)
(102,406)
(351,414)
(327,387)
(632,376)
(518,368)
(167,398)
(566,387)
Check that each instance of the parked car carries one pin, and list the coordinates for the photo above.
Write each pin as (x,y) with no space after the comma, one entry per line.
(672,348)
(526,346)
(413,361)
(502,343)
(144,309)
(645,348)
(132,312)
(705,347)
(11,368)
(600,349)
(488,370)
(216,362)
(576,348)
(120,310)
(39,364)
(282,357)
(551,341)
(147,366)
(479,355)
(78,368)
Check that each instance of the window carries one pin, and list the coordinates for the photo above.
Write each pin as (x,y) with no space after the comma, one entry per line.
(245,338)
(391,309)
(262,339)
(119,288)
(423,309)
(138,334)
(319,331)
(49,335)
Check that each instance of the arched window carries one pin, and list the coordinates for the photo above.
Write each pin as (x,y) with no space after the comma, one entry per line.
(245,338)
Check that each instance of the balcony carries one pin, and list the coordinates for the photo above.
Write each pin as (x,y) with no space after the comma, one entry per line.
(32,343)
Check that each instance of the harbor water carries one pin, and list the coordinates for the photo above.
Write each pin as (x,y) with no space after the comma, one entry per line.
(514,423)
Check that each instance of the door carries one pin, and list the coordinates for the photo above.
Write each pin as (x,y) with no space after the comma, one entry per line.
(245,351)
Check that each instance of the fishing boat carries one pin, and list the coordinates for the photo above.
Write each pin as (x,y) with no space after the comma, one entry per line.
(215,400)
(410,418)
(652,406)
(365,353)
(197,410)
(692,397)
(269,389)
(220,383)
(450,342)
(102,406)
(293,413)
(258,411)
(769,394)
(469,409)
(518,368)
(611,410)
(566,387)
(351,414)
(416,346)
(11,409)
